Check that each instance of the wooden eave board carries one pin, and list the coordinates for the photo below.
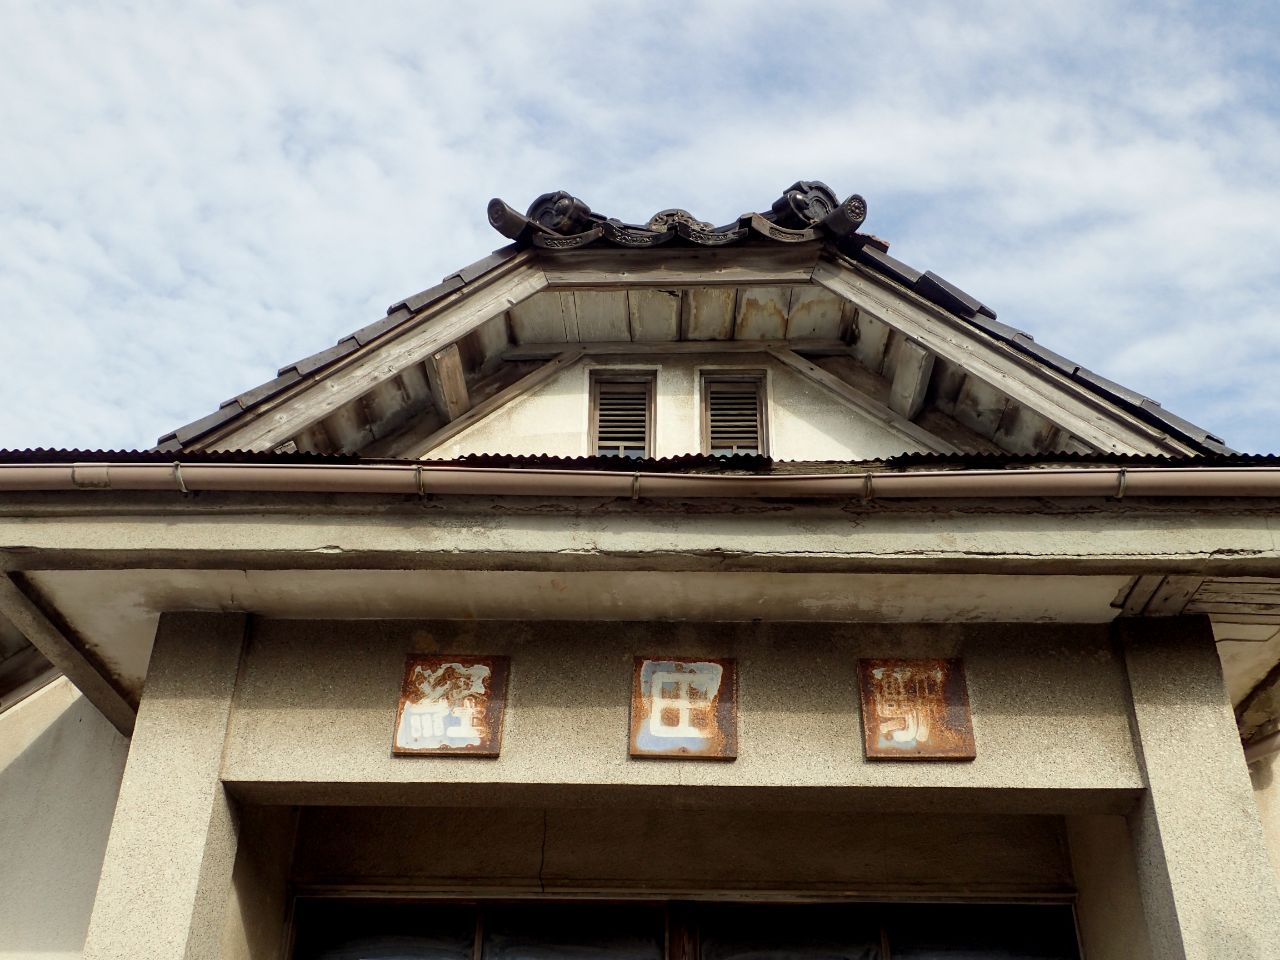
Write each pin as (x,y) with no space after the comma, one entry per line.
(999,368)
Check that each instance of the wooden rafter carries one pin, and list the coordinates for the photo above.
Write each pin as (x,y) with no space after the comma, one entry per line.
(435,329)
(448,382)
(910,380)
(1049,394)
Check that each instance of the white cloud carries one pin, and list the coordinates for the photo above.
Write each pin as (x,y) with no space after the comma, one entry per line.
(193,195)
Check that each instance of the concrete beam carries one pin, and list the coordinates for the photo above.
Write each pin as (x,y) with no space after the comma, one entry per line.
(228,532)
(59,649)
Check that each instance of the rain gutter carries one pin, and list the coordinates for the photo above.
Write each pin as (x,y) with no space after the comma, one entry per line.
(427,478)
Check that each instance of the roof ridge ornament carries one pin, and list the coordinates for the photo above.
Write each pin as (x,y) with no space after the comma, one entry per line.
(807,210)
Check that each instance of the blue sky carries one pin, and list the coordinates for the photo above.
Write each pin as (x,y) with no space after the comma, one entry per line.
(192,195)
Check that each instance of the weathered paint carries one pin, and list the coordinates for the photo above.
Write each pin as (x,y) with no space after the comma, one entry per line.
(451,705)
(685,708)
(915,710)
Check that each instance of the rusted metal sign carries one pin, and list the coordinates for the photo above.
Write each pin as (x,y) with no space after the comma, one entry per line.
(451,705)
(684,707)
(916,709)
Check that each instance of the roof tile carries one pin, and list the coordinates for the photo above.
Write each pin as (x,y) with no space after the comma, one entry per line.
(429,296)
(214,420)
(317,360)
(268,389)
(381,326)
(1116,390)
(1000,330)
(1056,360)
(948,295)
(892,267)
(482,266)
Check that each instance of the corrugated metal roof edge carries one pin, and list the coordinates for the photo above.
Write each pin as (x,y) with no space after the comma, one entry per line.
(987,461)
(690,461)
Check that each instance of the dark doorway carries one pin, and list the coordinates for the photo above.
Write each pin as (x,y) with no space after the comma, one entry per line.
(343,929)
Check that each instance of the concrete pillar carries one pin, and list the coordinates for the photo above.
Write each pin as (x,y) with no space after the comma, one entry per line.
(166,878)
(1203,869)
(1109,909)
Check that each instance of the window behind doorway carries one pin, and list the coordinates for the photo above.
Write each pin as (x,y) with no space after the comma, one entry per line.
(346,929)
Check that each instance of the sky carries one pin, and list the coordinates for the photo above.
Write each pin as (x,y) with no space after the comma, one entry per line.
(193,195)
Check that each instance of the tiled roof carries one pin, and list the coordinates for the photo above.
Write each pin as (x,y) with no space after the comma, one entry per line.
(807,211)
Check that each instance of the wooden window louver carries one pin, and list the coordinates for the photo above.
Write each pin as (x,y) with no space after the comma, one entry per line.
(733,415)
(622,416)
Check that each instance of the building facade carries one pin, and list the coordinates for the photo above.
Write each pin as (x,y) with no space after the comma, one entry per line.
(649,591)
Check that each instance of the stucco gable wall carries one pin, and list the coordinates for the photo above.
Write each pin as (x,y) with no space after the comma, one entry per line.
(60,769)
(805,421)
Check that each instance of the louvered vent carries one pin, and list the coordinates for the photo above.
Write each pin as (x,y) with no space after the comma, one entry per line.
(622,418)
(734,416)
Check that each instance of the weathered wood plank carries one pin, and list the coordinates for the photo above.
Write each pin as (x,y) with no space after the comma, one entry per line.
(1211,583)
(948,428)
(1139,595)
(315,439)
(947,378)
(499,399)
(491,338)
(808,348)
(1215,607)
(870,338)
(861,401)
(654,314)
(383,404)
(1024,431)
(980,406)
(856,375)
(910,379)
(815,314)
(349,428)
(762,313)
(1172,596)
(708,313)
(1045,391)
(682,266)
(448,382)
(602,315)
(1256,591)
(316,396)
(57,646)
(541,319)
(414,379)
(1203,596)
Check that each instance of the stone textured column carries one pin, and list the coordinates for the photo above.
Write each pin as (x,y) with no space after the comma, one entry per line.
(166,877)
(1206,881)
